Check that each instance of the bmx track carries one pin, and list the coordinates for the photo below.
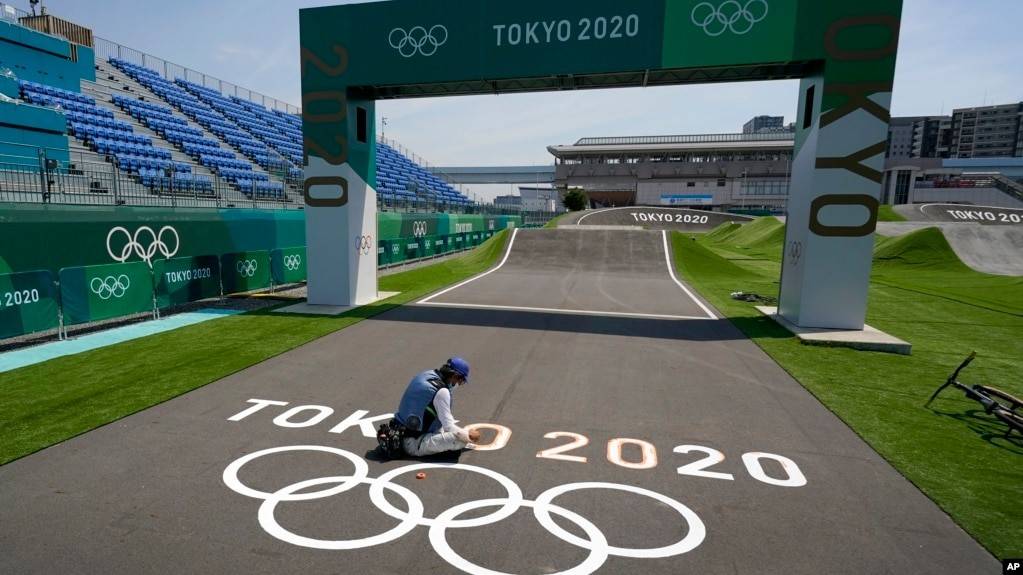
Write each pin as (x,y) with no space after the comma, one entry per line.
(628,444)
(988,239)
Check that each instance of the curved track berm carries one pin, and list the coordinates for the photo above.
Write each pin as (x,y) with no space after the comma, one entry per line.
(962,213)
(656,218)
(989,249)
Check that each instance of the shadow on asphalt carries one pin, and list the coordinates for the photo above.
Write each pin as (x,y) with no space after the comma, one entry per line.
(376,456)
(688,330)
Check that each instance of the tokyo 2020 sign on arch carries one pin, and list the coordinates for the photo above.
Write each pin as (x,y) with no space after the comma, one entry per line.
(843,52)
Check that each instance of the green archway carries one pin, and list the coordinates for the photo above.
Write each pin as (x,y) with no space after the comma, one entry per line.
(844,52)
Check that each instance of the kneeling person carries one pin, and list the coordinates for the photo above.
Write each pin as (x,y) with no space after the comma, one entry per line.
(425,411)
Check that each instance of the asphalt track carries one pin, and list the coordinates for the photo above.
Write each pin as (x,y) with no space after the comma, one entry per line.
(653,218)
(148,494)
(585,271)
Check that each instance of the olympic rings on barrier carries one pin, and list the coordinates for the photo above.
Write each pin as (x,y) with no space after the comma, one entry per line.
(730,15)
(418,40)
(132,243)
(292,262)
(110,287)
(364,245)
(418,229)
(596,543)
(246,268)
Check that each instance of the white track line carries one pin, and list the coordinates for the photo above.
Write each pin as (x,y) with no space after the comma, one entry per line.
(511,242)
(671,271)
(564,311)
(580,220)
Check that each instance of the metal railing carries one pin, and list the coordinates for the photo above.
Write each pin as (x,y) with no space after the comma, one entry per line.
(26,179)
(169,70)
(36,180)
(688,139)
(9,10)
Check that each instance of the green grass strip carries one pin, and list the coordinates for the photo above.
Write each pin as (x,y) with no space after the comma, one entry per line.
(47,403)
(886,213)
(923,294)
(554,222)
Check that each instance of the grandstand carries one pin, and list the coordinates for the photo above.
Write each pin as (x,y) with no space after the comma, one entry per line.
(141,135)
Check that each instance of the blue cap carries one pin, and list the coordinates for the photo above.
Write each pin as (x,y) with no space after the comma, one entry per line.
(460,366)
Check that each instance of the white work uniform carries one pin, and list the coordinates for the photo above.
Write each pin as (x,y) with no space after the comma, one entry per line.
(449,438)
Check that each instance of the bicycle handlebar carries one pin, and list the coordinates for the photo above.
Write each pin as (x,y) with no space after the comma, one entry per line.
(962,365)
(952,378)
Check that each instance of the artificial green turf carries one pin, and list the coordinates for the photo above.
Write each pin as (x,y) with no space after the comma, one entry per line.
(886,213)
(554,222)
(921,293)
(43,404)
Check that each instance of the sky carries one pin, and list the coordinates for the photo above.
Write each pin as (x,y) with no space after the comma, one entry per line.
(952,53)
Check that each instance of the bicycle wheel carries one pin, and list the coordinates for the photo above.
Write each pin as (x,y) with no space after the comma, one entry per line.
(1006,400)
(1015,422)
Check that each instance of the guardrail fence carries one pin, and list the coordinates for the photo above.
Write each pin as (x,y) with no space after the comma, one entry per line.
(35,301)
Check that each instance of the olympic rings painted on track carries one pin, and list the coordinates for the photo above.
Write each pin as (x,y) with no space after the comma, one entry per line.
(110,287)
(132,243)
(730,15)
(292,262)
(246,268)
(596,543)
(418,40)
(364,245)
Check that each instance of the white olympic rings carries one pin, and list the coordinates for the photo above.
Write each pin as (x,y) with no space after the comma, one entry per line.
(419,229)
(292,262)
(110,286)
(595,542)
(364,245)
(246,268)
(418,40)
(132,243)
(730,15)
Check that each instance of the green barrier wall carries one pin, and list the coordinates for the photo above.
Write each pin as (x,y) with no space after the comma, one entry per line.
(28,303)
(288,265)
(183,280)
(94,293)
(245,271)
(35,236)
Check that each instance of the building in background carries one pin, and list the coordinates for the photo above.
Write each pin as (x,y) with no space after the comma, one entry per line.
(764,124)
(984,132)
(540,199)
(917,136)
(988,131)
(508,201)
(708,171)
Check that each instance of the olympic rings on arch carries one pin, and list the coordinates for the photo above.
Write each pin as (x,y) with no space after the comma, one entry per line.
(729,15)
(110,286)
(418,40)
(595,542)
(132,243)
(364,245)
